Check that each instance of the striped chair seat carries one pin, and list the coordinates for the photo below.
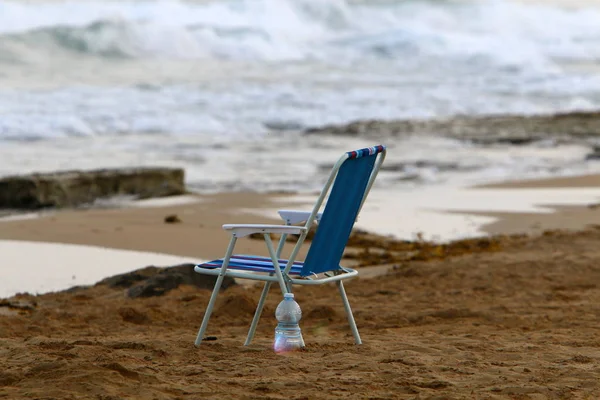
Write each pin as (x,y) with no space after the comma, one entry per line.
(253,263)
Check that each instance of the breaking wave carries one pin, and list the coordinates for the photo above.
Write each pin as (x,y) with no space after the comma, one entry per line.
(496,32)
(119,67)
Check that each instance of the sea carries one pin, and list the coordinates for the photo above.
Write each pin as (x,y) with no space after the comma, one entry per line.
(227,88)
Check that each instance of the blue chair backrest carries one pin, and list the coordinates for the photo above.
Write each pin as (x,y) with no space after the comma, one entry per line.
(340,212)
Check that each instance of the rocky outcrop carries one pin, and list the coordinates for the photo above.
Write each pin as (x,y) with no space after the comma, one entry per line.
(595,154)
(155,281)
(508,129)
(74,188)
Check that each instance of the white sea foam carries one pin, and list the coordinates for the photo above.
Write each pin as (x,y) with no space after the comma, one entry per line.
(504,31)
(243,66)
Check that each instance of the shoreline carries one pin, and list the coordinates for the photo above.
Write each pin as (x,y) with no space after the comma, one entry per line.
(141,226)
(195,233)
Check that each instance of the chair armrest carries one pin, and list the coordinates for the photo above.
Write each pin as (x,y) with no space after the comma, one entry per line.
(295,217)
(241,230)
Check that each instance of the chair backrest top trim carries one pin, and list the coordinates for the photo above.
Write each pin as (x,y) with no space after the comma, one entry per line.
(367,151)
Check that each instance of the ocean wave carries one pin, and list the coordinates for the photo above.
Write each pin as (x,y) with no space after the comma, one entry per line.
(258,30)
(478,33)
(241,67)
(108,39)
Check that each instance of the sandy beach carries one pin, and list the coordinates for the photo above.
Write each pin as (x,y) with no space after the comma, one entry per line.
(131,131)
(511,316)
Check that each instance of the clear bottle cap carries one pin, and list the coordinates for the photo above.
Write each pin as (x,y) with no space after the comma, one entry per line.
(288,296)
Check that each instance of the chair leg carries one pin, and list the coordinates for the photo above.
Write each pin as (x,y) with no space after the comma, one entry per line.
(213,296)
(209,309)
(351,321)
(257,313)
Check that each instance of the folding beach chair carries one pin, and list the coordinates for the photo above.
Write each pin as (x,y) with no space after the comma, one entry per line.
(350,181)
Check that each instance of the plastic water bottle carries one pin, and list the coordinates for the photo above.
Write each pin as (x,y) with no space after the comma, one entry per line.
(288,336)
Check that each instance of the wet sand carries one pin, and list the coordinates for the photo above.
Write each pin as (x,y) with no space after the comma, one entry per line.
(560,217)
(197,233)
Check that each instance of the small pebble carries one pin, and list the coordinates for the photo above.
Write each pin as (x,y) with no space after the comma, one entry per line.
(172,219)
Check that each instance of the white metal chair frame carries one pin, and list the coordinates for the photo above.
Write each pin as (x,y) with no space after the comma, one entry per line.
(282,277)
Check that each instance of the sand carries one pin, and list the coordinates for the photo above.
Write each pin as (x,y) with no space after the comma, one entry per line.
(197,233)
(509,317)
(557,215)
(517,323)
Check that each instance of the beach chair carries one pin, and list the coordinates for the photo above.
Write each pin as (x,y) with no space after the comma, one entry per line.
(348,186)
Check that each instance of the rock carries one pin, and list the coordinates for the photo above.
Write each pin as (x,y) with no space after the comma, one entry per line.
(503,129)
(157,285)
(23,304)
(594,155)
(128,279)
(282,125)
(154,281)
(172,219)
(74,188)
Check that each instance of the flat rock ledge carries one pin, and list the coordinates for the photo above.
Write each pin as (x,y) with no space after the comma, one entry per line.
(75,188)
(492,129)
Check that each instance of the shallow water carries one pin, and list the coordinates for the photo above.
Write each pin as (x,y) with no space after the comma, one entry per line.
(446,213)
(60,266)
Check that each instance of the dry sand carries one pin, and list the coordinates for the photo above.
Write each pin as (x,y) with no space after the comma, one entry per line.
(504,318)
(519,323)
